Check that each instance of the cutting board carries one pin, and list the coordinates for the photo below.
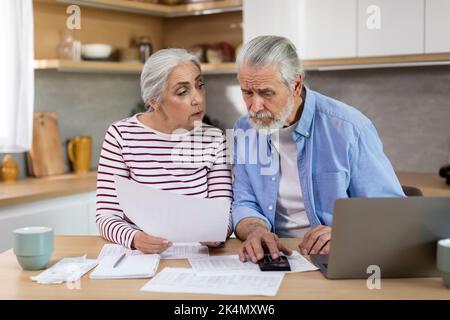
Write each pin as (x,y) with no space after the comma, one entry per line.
(45,157)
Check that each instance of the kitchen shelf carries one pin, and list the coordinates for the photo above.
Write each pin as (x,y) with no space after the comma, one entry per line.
(162,10)
(117,67)
(377,62)
(230,68)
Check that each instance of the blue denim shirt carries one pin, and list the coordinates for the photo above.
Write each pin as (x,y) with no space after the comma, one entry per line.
(339,155)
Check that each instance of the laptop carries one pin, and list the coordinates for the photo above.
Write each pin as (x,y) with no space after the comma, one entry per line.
(397,234)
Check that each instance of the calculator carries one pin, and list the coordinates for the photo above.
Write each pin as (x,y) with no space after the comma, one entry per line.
(269,264)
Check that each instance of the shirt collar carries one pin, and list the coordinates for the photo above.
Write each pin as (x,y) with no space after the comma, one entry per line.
(304,124)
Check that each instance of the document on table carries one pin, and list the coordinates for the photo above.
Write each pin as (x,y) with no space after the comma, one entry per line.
(111,249)
(187,281)
(178,218)
(129,267)
(185,250)
(232,264)
(179,250)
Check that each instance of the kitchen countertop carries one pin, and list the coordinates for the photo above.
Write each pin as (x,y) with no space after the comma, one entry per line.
(34,189)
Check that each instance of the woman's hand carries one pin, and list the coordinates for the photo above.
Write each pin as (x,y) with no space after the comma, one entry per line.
(149,244)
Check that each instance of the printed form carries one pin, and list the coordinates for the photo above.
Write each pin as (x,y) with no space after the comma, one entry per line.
(232,264)
(185,280)
(179,250)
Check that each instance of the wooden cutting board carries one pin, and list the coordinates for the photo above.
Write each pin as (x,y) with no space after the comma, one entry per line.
(45,157)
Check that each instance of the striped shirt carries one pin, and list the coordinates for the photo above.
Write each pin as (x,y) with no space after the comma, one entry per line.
(191,163)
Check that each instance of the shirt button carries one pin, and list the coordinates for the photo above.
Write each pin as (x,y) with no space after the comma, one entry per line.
(307,133)
(270,207)
(273,179)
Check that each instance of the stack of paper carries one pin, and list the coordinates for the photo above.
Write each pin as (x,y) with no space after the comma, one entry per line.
(187,281)
(180,250)
(185,250)
(133,266)
(115,250)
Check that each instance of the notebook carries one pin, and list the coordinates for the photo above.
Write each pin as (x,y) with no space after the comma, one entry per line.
(130,267)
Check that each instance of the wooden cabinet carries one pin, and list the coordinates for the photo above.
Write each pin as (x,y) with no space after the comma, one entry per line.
(70,215)
(437,26)
(400,30)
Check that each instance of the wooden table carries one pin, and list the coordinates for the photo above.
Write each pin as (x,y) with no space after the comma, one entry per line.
(16,284)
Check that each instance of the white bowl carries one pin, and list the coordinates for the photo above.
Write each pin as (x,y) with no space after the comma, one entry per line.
(96,50)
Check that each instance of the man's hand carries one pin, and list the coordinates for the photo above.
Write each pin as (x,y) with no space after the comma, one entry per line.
(316,241)
(149,244)
(255,243)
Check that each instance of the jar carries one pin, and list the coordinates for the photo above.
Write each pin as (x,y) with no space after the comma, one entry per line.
(145,48)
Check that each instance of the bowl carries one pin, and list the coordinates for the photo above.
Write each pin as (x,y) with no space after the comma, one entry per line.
(96,50)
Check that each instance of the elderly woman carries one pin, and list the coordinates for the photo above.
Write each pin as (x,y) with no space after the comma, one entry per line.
(168,148)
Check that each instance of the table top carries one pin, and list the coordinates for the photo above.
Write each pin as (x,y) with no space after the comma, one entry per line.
(16,283)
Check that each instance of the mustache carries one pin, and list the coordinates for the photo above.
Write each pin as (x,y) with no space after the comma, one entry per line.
(261,115)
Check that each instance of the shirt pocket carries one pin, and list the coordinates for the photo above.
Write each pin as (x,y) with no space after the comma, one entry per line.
(328,187)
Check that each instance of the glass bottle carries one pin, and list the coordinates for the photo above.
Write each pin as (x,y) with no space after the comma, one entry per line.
(145,48)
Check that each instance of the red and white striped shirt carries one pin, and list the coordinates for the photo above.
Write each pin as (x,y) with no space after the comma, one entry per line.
(191,163)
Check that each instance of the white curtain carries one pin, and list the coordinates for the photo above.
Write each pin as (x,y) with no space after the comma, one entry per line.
(16,75)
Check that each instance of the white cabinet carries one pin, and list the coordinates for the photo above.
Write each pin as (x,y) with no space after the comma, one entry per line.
(401,27)
(270,17)
(319,29)
(70,215)
(328,29)
(437,26)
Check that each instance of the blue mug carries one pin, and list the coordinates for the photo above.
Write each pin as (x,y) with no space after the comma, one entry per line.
(33,247)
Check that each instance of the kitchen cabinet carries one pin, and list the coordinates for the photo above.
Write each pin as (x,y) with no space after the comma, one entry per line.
(320,29)
(162,10)
(400,29)
(115,67)
(69,215)
(328,29)
(437,26)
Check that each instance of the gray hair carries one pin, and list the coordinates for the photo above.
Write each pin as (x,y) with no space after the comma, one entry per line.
(264,51)
(157,69)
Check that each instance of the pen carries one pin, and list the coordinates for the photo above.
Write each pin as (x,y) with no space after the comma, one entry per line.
(118,260)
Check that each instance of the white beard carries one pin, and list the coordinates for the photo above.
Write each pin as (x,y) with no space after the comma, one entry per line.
(276,123)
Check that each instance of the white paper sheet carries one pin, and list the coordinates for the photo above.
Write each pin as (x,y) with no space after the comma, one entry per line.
(111,249)
(178,218)
(232,264)
(185,250)
(179,250)
(187,281)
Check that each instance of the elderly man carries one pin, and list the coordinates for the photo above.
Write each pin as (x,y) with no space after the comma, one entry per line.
(295,153)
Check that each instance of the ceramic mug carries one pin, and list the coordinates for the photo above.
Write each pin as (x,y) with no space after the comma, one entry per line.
(443,260)
(33,247)
(79,151)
